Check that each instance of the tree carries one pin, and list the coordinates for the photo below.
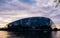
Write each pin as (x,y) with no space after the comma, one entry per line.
(57,2)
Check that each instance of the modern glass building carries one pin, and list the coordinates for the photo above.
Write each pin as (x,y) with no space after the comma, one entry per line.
(32,23)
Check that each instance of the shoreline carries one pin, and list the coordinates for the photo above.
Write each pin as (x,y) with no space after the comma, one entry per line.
(6,29)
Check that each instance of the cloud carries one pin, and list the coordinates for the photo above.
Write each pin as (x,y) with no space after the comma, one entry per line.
(15,15)
(24,4)
(54,13)
(13,5)
(56,21)
(11,10)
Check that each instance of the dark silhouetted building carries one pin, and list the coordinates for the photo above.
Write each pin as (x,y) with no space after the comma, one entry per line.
(31,23)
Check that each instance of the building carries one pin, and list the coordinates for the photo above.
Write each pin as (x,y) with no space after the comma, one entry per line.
(31,23)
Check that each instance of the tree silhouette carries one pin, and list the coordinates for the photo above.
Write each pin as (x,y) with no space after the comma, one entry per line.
(57,2)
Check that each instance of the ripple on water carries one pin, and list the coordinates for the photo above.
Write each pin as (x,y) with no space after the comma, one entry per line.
(7,34)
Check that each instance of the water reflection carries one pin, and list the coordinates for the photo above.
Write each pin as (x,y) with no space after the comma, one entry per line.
(3,34)
(6,34)
(34,34)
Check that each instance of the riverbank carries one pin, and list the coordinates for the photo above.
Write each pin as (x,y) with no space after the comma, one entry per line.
(6,29)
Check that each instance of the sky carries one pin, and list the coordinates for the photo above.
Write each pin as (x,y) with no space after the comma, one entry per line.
(11,10)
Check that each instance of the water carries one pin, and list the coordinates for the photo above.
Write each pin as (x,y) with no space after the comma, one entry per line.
(7,34)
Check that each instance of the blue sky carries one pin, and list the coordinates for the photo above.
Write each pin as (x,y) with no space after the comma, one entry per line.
(11,10)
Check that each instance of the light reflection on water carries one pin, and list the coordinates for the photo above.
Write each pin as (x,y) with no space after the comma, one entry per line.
(7,34)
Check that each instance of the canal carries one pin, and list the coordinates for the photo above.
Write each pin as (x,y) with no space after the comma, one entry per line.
(8,34)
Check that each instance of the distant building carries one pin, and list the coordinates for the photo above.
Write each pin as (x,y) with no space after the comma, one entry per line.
(31,23)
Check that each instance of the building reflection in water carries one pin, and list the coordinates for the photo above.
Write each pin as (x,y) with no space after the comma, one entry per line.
(31,35)
(5,34)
